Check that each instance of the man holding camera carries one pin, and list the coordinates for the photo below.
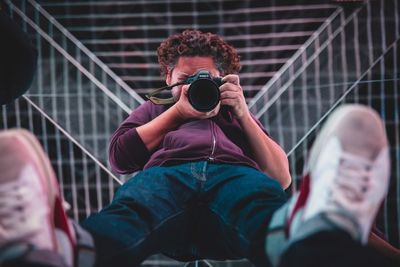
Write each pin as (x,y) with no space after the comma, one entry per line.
(210,179)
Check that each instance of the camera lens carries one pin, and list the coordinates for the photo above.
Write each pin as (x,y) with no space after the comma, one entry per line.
(203,95)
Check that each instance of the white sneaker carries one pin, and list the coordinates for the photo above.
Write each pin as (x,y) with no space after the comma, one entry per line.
(30,201)
(349,169)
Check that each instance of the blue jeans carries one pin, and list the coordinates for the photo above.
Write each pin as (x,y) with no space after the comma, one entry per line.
(189,211)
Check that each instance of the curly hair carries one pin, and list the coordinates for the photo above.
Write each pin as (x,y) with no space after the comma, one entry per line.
(192,43)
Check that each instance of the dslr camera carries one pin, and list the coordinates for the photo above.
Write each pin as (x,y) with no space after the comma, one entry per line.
(203,92)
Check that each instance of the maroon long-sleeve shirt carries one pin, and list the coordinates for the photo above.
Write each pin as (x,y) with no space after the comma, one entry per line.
(219,139)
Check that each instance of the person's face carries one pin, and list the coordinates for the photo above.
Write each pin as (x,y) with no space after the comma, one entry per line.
(187,66)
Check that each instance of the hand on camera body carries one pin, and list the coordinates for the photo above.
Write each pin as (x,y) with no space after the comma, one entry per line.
(231,94)
(186,110)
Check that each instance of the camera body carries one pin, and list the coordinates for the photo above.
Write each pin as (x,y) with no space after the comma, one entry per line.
(203,92)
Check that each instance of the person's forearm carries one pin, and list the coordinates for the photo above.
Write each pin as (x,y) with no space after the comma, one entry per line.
(269,155)
(153,132)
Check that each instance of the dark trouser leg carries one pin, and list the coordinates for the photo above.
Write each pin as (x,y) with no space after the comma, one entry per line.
(330,249)
(241,203)
(147,213)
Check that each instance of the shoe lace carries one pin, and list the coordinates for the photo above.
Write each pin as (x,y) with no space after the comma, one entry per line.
(354,177)
(12,210)
(15,200)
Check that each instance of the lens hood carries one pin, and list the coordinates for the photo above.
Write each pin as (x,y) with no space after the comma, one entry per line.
(203,92)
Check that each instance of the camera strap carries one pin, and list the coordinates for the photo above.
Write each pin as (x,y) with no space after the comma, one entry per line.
(163,101)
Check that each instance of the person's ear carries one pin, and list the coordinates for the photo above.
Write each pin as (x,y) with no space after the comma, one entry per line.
(168,78)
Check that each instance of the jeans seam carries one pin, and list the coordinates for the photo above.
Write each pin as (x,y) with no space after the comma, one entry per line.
(230,226)
(153,230)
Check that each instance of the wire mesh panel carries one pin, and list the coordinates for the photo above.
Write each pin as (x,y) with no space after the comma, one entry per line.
(331,64)
(295,66)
